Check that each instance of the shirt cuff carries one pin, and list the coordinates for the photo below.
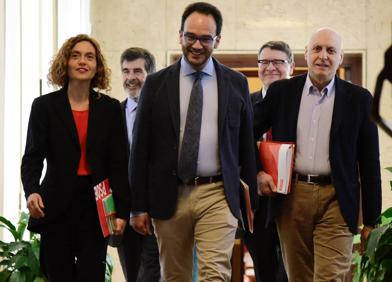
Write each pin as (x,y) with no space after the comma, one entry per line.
(137,213)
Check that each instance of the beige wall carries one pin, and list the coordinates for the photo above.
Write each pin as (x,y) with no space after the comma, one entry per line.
(364,24)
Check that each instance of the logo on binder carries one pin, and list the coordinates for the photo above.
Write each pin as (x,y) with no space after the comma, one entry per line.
(100,190)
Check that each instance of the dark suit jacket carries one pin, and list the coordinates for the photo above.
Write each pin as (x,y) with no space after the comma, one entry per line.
(52,135)
(353,145)
(123,105)
(154,177)
(256,97)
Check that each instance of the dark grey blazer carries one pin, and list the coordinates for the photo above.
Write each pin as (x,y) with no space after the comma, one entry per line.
(154,178)
(256,97)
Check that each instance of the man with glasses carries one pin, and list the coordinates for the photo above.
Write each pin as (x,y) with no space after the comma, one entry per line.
(275,62)
(336,162)
(193,142)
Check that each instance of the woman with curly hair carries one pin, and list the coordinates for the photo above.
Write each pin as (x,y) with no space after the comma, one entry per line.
(80,133)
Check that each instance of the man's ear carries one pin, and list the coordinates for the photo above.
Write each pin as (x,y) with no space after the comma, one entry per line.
(341,57)
(180,32)
(292,67)
(217,41)
(306,52)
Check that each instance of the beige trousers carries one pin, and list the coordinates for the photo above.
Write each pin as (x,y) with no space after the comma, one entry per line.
(315,239)
(202,219)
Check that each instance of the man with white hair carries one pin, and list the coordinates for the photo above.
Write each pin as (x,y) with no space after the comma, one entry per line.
(336,161)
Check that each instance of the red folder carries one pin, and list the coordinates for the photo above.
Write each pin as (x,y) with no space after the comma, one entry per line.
(105,207)
(248,205)
(277,160)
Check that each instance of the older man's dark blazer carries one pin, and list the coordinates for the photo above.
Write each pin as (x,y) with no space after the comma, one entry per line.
(154,179)
(52,135)
(353,145)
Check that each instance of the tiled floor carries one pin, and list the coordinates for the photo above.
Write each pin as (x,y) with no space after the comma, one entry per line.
(117,272)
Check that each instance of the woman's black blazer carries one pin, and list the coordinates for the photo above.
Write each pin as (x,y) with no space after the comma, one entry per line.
(52,135)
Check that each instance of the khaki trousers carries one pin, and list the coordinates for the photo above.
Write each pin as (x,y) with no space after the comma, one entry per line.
(315,239)
(202,219)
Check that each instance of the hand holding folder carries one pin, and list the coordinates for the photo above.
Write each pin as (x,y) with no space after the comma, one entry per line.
(277,160)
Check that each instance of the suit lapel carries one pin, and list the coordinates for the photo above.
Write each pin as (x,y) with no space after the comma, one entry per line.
(298,87)
(173,87)
(124,115)
(223,93)
(63,108)
(339,107)
(258,97)
(123,107)
(95,112)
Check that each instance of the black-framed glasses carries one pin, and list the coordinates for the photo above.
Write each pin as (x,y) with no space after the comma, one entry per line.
(205,40)
(385,74)
(276,62)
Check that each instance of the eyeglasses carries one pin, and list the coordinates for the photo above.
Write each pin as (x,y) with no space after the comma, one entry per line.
(275,63)
(204,40)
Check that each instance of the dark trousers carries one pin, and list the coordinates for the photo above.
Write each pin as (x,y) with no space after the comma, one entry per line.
(264,248)
(139,256)
(73,248)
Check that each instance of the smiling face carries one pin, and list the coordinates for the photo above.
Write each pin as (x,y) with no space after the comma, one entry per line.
(133,76)
(323,55)
(198,26)
(82,62)
(273,72)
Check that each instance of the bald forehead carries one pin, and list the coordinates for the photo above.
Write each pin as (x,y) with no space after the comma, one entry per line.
(326,37)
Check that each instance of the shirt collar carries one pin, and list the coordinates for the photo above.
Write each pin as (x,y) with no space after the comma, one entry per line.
(187,69)
(131,104)
(263,92)
(328,89)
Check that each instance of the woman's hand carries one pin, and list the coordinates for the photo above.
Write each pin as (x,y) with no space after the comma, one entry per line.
(35,205)
(119,226)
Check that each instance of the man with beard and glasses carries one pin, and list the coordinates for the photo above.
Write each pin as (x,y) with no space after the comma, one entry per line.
(193,142)
(138,253)
(336,163)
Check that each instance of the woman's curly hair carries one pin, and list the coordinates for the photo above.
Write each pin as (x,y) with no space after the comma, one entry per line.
(58,71)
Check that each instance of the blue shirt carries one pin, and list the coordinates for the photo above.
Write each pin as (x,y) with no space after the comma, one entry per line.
(130,115)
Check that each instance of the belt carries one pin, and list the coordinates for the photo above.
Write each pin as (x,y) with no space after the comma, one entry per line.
(313,179)
(201,180)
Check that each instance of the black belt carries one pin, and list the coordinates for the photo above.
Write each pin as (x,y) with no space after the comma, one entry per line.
(201,180)
(313,179)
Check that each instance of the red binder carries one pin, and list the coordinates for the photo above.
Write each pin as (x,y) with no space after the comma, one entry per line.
(277,159)
(248,205)
(105,207)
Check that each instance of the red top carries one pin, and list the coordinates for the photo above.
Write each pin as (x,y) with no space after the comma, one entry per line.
(81,122)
